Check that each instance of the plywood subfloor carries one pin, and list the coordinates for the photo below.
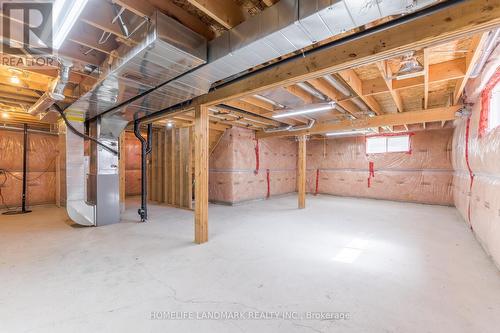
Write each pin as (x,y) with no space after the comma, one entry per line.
(394,267)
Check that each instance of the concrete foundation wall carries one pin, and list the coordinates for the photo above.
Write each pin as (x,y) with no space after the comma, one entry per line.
(424,175)
(42,153)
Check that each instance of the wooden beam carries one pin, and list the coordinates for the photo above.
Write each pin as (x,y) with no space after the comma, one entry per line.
(302,94)
(352,79)
(100,14)
(77,52)
(301,171)
(457,21)
(471,59)
(250,107)
(58,178)
(122,168)
(201,140)
(260,103)
(325,88)
(269,3)
(216,126)
(147,8)
(224,12)
(393,119)
(262,121)
(386,73)
(270,110)
(444,71)
(90,41)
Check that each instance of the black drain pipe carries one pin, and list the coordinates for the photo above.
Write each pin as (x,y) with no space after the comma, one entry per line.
(146,148)
(25,170)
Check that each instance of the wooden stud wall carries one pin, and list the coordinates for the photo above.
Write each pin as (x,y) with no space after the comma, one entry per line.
(170,167)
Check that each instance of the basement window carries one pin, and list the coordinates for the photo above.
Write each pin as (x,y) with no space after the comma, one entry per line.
(388,144)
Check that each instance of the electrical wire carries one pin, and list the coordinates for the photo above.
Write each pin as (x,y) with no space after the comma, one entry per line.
(2,199)
(82,135)
(5,173)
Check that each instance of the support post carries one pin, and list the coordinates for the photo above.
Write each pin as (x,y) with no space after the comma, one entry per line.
(58,179)
(301,171)
(25,174)
(201,174)
(122,168)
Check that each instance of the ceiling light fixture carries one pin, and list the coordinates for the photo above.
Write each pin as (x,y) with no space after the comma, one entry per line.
(5,115)
(65,13)
(322,107)
(347,133)
(15,80)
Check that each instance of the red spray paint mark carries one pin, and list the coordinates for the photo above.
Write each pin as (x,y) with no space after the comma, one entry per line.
(371,173)
(257,156)
(317,182)
(268,176)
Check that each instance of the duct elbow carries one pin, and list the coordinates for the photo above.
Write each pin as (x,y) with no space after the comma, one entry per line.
(307,126)
(291,128)
(57,92)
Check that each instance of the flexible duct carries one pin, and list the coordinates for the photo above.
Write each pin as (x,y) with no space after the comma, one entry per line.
(57,92)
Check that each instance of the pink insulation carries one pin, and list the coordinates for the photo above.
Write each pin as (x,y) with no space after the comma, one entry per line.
(233,165)
(424,175)
(132,165)
(42,153)
(478,198)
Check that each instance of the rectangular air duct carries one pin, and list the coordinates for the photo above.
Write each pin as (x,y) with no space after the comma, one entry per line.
(169,55)
(166,50)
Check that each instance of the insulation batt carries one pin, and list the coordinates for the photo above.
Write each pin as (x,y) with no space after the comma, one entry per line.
(132,165)
(232,176)
(479,206)
(42,153)
(423,176)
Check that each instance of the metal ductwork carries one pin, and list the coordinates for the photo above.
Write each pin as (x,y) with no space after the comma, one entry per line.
(286,27)
(56,93)
(166,50)
(337,85)
(166,67)
(307,126)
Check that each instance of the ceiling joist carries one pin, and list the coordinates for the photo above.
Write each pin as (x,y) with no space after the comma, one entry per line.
(395,119)
(470,61)
(224,12)
(454,22)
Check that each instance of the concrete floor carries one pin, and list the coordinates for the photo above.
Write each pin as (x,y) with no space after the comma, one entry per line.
(393,267)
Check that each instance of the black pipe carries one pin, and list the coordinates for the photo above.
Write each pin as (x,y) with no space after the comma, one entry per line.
(146,148)
(150,139)
(82,135)
(25,161)
(25,171)
(375,29)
